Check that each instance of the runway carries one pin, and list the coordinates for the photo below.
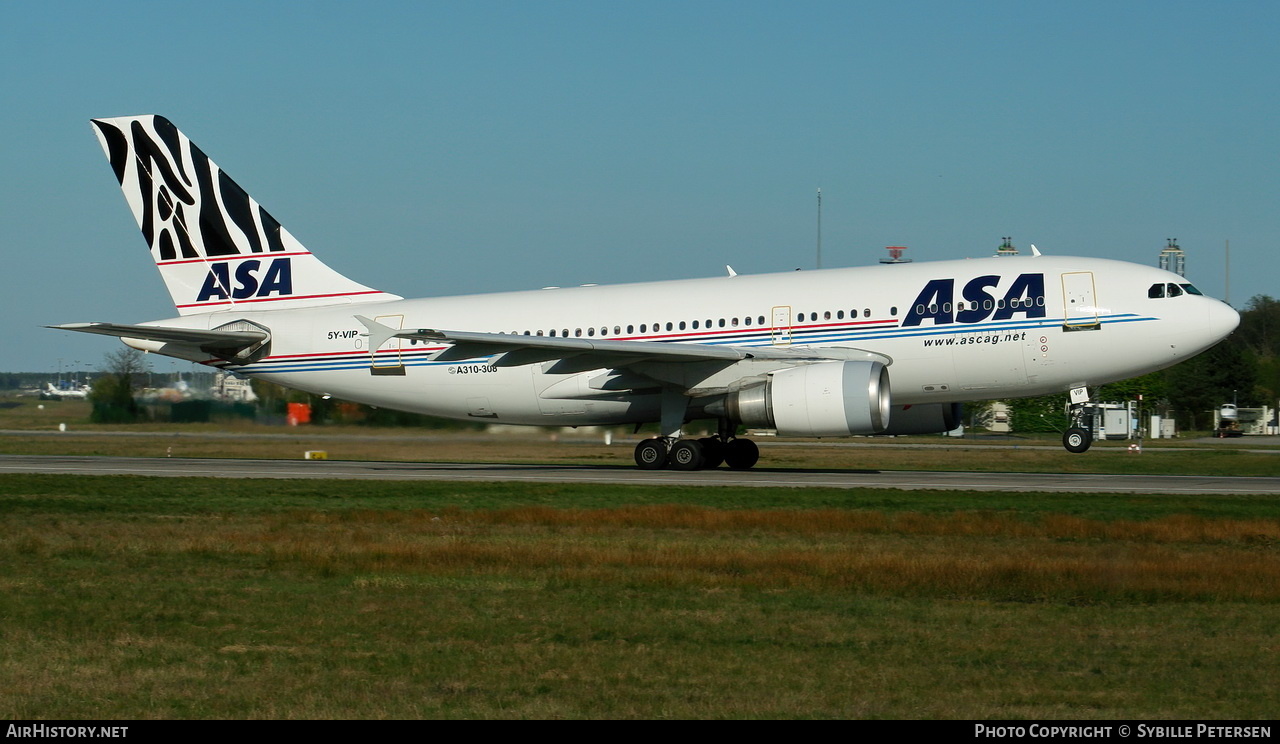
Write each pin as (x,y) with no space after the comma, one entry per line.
(758,478)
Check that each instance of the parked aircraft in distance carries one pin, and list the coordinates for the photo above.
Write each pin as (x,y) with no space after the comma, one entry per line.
(887,349)
(64,391)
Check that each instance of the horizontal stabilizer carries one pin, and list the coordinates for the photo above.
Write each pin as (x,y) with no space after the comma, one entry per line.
(227,344)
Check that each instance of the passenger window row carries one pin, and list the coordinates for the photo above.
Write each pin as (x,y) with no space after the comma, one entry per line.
(708,324)
(682,325)
(987,304)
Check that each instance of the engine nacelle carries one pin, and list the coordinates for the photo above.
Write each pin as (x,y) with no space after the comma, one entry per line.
(930,418)
(828,399)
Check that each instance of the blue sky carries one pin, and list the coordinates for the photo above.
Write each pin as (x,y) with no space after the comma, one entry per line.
(436,148)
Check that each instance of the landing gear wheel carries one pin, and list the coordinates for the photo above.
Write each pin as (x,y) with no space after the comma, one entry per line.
(1077,440)
(712,452)
(651,454)
(741,454)
(685,455)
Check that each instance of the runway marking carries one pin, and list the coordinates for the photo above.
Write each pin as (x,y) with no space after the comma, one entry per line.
(902,480)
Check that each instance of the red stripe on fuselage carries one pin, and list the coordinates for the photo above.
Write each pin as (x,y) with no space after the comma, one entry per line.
(281,299)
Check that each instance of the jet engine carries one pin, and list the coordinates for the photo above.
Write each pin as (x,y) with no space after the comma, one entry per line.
(828,399)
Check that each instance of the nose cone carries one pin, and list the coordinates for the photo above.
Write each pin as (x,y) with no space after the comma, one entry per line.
(1223,319)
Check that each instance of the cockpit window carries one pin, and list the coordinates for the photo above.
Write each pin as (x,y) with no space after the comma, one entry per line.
(1157,291)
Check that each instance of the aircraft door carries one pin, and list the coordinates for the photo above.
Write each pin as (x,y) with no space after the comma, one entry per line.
(386,360)
(781,330)
(1080,304)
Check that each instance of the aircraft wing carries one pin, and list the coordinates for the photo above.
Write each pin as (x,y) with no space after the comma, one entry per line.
(580,354)
(215,342)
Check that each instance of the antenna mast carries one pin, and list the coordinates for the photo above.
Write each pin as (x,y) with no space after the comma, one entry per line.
(1228,262)
(819,228)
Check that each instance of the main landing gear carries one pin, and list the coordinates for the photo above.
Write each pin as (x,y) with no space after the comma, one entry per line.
(672,451)
(696,454)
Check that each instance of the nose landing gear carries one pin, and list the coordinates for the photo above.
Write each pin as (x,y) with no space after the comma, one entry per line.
(1077,438)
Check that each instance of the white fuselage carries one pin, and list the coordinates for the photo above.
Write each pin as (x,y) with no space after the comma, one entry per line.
(954,331)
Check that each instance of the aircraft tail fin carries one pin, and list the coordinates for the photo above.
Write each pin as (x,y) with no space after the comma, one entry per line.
(215,246)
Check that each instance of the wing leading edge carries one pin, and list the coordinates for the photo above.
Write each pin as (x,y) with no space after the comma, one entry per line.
(581,354)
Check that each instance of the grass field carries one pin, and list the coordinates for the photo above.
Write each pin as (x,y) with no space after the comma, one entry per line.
(137,598)
(140,598)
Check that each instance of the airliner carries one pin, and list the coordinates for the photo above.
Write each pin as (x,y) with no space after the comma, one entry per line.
(883,350)
(51,392)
